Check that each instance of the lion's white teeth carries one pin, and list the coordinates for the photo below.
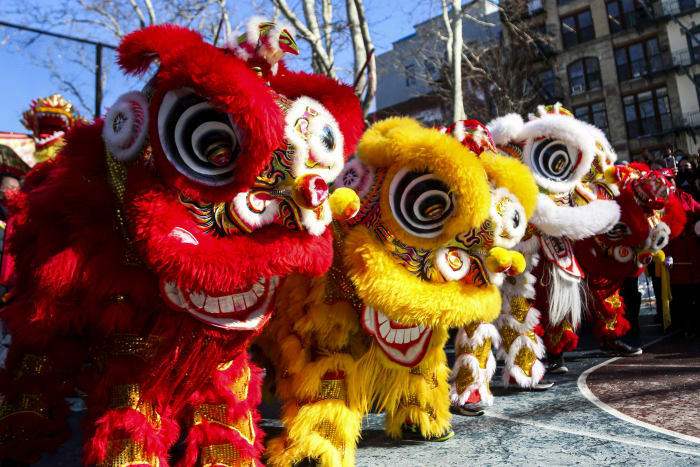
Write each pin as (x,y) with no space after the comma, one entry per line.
(384,328)
(421,328)
(392,335)
(415,333)
(197,299)
(258,289)
(239,302)
(212,305)
(399,336)
(226,304)
(381,318)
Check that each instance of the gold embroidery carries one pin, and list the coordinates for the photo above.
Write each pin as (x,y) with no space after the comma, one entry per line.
(125,452)
(224,455)
(24,403)
(519,306)
(219,414)
(239,387)
(129,396)
(332,389)
(614,301)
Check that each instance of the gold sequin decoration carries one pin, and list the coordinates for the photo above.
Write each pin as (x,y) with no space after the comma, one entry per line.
(224,455)
(239,387)
(31,365)
(339,288)
(519,306)
(332,389)
(430,377)
(132,345)
(614,301)
(611,323)
(219,414)
(329,431)
(525,359)
(224,366)
(116,176)
(125,452)
(412,399)
(129,396)
(472,327)
(464,379)
(508,335)
(24,403)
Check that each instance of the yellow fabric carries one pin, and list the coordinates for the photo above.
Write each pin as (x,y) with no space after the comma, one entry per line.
(665,300)
(500,259)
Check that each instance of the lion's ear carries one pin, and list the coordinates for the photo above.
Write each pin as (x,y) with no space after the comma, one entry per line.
(505,128)
(141,48)
(377,146)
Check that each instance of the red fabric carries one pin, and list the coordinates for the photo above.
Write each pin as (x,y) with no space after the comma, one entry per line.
(685,250)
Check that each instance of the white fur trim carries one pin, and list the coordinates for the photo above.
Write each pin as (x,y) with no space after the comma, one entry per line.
(503,223)
(242,53)
(483,331)
(313,225)
(506,128)
(458,131)
(514,371)
(576,222)
(304,148)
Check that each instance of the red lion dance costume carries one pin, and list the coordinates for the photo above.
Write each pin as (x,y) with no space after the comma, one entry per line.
(151,248)
(651,216)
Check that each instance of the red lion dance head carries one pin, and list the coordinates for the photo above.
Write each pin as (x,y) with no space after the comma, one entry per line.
(159,236)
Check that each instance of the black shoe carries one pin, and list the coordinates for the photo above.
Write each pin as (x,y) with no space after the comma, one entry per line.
(468,410)
(618,347)
(555,364)
(412,432)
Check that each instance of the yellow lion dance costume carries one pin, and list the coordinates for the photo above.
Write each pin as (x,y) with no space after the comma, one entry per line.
(417,260)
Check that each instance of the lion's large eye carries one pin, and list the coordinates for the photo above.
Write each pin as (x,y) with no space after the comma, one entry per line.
(618,231)
(623,254)
(420,202)
(197,139)
(553,159)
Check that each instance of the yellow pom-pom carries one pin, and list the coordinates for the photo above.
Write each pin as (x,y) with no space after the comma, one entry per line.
(345,204)
(502,260)
(659,256)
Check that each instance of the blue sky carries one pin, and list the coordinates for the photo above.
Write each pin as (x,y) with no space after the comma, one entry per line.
(23,78)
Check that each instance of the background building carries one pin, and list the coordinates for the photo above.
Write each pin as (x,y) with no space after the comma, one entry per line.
(631,67)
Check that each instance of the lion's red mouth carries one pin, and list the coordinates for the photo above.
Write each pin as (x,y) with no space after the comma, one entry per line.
(248,309)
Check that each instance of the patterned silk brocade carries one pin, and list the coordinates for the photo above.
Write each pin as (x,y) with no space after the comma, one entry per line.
(223,455)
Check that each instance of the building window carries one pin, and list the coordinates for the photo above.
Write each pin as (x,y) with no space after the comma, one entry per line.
(410,74)
(638,59)
(546,82)
(594,114)
(584,75)
(577,28)
(624,14)
(534,7)
(647,113)
(694,44)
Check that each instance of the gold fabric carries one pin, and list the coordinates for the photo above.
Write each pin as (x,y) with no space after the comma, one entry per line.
(219,414)
(412,399)
(223,455)
(132,345)
(31,365)
(329,431)
(125,452)
(464,379)
(525,359)
(24,403)
(239,386)
(519,306)
(508,335)
(129,396)
(429,376)
(332,389)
